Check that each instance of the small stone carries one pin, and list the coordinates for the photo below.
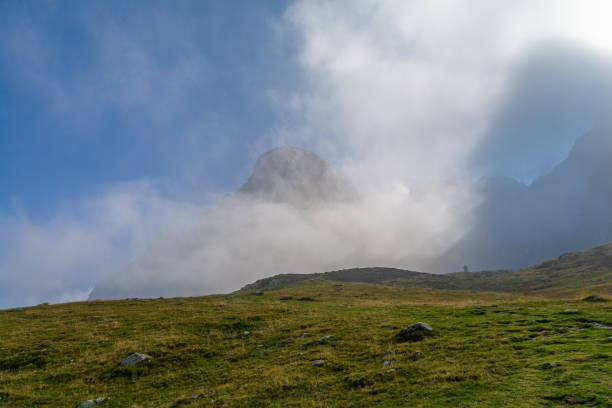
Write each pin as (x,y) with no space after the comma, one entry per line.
(91,403)
(391,370)
(135,359)
(325,338)
(340,305)
(304,335)
(385,363)
(317,362)
(198,395)
(548,366)
(246,333)
(570,311)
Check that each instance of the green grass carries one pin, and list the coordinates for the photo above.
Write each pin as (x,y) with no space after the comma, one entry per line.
(487,350)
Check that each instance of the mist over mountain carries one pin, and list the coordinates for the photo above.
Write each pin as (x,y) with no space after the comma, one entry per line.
(240,235)
(294,215)
(566,210)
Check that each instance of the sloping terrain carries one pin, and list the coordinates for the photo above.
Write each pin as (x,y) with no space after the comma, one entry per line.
(313,344)
(575,273)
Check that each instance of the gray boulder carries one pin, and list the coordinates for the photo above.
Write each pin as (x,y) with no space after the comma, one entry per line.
(92,402)
(415,331)
(135,359)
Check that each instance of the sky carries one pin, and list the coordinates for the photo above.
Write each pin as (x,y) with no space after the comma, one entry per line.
(121,123)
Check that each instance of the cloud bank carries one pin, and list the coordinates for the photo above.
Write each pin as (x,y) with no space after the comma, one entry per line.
(60,259)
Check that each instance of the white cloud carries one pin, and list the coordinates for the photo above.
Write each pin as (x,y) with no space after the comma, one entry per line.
(241,240)
(61,258)
(409,88)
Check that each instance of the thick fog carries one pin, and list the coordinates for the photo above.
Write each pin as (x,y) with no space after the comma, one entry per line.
(268,228)
(454,133)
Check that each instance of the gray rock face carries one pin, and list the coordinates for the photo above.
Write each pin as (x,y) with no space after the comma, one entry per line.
(415,331)
(91,403)
(135,359)
(296,176)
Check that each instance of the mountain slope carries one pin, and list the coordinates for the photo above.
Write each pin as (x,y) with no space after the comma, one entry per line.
(568,273)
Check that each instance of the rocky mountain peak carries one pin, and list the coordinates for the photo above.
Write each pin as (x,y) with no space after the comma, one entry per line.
(296,176)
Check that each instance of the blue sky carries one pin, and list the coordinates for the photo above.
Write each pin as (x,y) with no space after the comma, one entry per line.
(121,122)
(72,118)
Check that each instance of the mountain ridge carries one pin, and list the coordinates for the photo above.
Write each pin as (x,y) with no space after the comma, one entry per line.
(574,271)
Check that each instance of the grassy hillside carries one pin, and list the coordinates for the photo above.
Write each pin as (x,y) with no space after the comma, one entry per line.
(487,349)
(573,274)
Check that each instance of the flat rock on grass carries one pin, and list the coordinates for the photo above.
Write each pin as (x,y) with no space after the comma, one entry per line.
(570,311)
(135,359)
(317,362)
(92,402)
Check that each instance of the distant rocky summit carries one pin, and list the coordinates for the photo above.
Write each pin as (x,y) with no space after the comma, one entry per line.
(565,210)
(296,176)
